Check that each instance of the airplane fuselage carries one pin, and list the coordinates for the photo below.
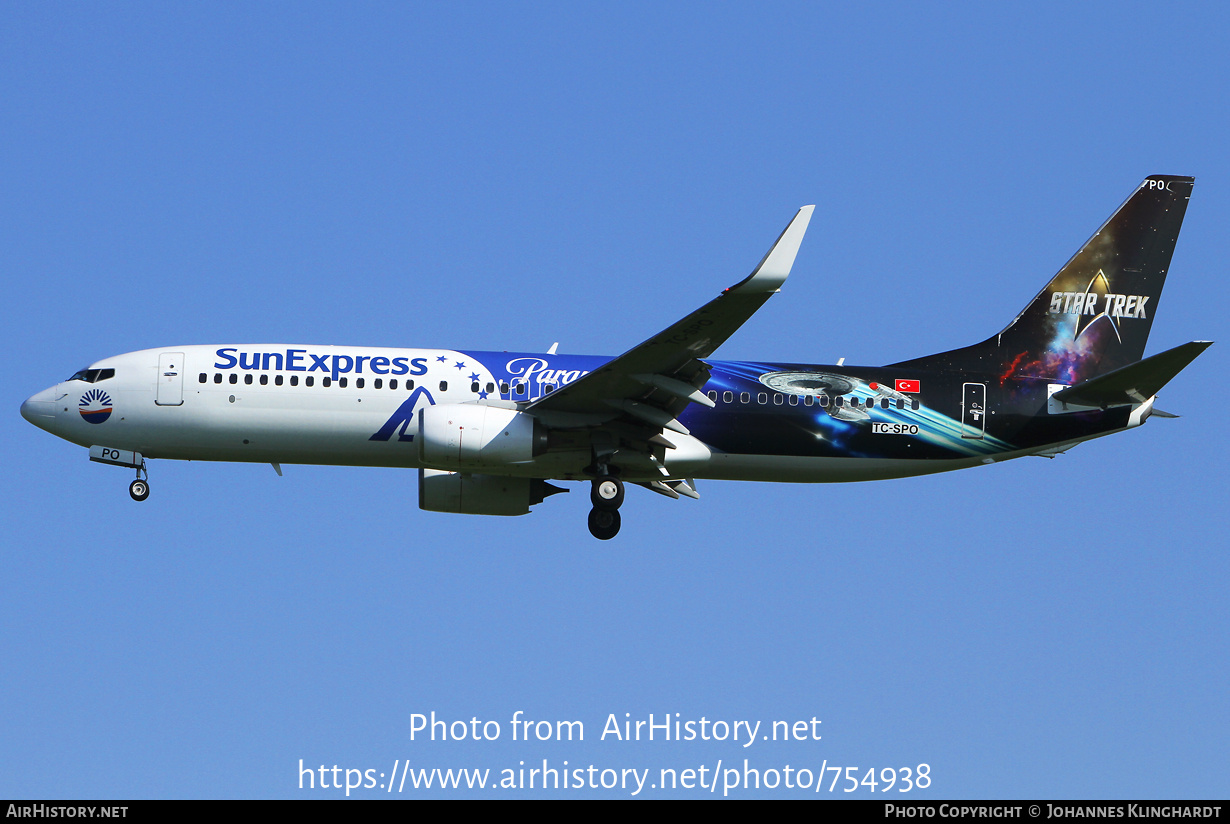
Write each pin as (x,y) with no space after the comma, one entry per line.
(358,406)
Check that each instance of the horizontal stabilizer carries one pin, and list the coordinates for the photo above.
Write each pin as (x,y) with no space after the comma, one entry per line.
(1134,383)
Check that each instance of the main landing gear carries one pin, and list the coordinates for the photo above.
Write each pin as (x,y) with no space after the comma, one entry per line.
(607,495)
(139,489)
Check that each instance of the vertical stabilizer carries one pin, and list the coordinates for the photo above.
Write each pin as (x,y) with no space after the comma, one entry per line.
(1095,314)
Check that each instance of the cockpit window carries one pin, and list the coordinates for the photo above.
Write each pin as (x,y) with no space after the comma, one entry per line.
(93,375)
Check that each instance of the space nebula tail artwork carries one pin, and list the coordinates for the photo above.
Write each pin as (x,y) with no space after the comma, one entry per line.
(1095,314)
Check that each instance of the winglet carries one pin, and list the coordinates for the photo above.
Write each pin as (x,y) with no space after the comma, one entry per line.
(775,266)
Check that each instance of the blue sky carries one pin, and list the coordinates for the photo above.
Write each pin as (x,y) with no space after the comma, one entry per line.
(504,176)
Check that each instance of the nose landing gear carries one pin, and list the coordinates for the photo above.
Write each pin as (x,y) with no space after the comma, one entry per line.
(607,495)
(139,489)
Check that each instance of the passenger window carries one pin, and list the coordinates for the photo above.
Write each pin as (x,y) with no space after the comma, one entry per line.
(884,403)
(378,383)
(341,382)
(901,403)
(277,379)
(409,384)
(914,404)
(443,386)
(309,380)
(234,378)
(550,387)
(777,399)
(294,380)
(824,401)
(358,383)
(393,383)
(217,377)
(504,389)
(490,388)
(325,381)
(712,395)
(728,397)
(519,388)
(839,401)
(745,397)
(762,398)
(247,379)
(793,400)
(474,387)
(808,400)
(204,378)
(264,380)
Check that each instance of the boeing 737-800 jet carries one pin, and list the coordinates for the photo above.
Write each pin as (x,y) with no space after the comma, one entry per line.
(488,430)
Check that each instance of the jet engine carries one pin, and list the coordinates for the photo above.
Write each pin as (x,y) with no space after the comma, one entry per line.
(473,494)
(459,436)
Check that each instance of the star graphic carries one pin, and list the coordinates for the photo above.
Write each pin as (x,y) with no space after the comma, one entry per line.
(461,364)
(474,376)
(441,359)
(482,396)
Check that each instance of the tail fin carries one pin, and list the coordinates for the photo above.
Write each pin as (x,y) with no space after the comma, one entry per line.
(1095,314)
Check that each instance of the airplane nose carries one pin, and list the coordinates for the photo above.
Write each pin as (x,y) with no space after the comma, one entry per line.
(40,409)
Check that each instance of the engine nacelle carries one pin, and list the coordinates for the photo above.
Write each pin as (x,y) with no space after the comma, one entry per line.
(458,436)
(473,494)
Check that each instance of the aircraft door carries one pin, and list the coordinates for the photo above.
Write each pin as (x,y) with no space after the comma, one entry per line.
(170,379)
(973,410)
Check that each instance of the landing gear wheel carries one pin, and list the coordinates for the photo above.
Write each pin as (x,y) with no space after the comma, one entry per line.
(603,523)
(139,490)
(608,493)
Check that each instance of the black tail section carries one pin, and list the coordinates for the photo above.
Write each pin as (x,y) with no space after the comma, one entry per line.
(1095,314)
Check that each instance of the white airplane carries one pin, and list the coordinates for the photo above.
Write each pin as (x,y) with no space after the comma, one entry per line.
(487,430)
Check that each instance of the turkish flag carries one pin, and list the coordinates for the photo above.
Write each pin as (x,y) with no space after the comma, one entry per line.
(907,386)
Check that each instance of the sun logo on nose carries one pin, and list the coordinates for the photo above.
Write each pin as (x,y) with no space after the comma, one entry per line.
(95,406)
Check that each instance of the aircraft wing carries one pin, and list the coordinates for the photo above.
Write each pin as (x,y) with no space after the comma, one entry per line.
(652,383)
